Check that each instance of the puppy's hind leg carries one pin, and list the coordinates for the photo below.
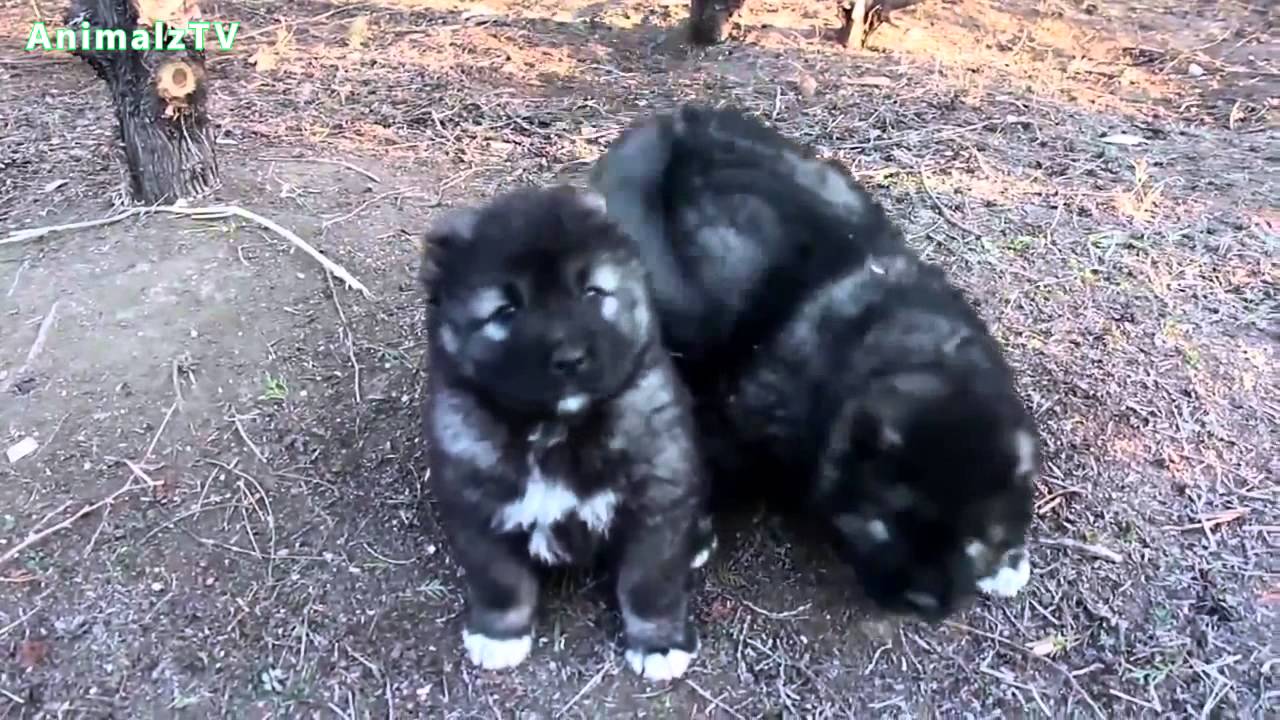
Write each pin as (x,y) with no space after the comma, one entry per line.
(502,597)
(653,592)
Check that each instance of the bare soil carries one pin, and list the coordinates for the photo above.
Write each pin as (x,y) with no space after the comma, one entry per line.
(1100,176)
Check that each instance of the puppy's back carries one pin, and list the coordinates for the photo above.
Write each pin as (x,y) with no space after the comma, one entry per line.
(736,224)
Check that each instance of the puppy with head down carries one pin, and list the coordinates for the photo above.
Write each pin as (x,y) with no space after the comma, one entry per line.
(832,368)
(558,431)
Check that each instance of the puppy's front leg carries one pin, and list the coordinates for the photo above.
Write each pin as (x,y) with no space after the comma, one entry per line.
(653,592)
(502,597)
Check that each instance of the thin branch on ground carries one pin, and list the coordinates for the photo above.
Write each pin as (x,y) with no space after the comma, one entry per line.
(334,221)
(706,695)
(21,236)
(38,536)
(345,333)
(42,336)
(324,161)
(160,431)
(1097,551)
(235,418)
(786,615)
(212,212)
(1015,646)
(942,209)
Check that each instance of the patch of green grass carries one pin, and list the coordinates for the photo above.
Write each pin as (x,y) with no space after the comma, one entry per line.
(434,589)
(391,357)
(1159,671)
(1019,244)
(38,561)
(182,700)
(274,389)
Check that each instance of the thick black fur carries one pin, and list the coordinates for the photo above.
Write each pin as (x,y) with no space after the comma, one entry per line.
(832,368)
(558,431)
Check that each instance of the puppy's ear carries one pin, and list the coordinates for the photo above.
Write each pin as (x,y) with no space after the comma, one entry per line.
(453,230)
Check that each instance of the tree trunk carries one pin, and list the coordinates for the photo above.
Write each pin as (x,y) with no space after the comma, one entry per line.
(160,99)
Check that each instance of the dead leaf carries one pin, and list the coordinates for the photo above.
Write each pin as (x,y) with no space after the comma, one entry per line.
(54,185)
(358,32)
(265,60)
(807,85)
(32,653)
(1048,646)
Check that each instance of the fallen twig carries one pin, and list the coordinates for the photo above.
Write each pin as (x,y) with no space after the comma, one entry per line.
(16,277)
(585,689)
(1212,520)
(235,418)
(21,236)
(1095,550)
(942,209)
(334,221)
(714,701)
(42,335)
(4,630)
(325,161)
(1015,646)
(785,615)
(38,536)
(212,212)
(225,210)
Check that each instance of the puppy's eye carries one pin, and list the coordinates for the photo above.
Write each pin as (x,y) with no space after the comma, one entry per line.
(592,291)
(504,313)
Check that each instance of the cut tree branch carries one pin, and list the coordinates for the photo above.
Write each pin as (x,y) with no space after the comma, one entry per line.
(160,98)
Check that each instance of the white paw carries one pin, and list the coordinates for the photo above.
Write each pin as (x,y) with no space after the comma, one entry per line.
(1008,580)
(703,555)
(659,666)
(496,654)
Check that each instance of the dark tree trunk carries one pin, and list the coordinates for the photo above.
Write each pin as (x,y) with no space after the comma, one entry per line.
(160,101)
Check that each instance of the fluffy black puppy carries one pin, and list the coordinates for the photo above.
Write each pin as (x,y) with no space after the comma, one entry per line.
(559,433)
(831,366)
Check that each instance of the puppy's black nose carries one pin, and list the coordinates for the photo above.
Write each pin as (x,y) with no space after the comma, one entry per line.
(569,360)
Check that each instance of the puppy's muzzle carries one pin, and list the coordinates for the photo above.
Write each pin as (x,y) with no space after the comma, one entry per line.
(570,361)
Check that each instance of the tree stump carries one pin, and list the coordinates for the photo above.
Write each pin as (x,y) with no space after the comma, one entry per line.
(160,98)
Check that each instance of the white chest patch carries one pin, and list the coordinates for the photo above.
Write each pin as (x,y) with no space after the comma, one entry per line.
(546,502)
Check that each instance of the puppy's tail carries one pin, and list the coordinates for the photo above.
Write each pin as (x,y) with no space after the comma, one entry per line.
(632,176)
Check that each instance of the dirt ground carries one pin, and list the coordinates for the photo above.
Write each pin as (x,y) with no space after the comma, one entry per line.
(1100,176)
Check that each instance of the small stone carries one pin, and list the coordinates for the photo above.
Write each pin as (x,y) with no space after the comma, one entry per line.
(807,85)
(21,449)
(1195,70)
(157,587)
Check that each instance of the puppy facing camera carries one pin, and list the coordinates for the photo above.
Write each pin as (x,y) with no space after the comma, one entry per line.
(559,433)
